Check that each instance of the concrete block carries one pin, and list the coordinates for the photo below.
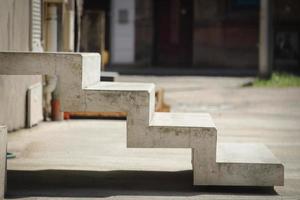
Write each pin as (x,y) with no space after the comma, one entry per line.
(81,90)
(34,105)
(3,145)
(240,165)
(77,71)
(182,130)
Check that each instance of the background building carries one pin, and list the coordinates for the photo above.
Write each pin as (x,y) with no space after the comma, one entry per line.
(33,25)
(195,34)
(161,35)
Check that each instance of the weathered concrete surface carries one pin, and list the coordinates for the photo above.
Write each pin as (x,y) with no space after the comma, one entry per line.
(13,99)
(3,144)
(243,115)
(82,91)
(78,70)
(235,163)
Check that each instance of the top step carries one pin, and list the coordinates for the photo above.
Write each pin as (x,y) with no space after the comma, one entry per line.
(189,120)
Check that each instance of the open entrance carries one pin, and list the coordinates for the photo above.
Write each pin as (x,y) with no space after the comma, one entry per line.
(95,26)
(173,32)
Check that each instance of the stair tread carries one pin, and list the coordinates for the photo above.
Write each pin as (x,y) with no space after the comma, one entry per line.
(122,86)
(245,153)
(190,120)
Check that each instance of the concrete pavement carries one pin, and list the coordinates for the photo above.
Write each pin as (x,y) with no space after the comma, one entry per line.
(89,158)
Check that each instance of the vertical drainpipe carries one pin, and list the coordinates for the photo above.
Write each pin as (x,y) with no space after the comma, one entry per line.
(52,46)
(52,28)
(78,9)
(265,39)
(68,26)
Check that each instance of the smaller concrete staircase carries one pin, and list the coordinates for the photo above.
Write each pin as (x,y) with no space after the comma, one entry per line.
(81,90)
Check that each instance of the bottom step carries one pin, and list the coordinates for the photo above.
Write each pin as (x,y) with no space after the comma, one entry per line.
(245,153)
(245,164)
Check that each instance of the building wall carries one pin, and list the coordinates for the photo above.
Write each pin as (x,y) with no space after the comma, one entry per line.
(14,36)
(224,36)
(286,35)
(144,28)
(122,31)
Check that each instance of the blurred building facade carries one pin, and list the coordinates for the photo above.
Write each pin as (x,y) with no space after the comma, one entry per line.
(186,34)
(219,34)
(33,25)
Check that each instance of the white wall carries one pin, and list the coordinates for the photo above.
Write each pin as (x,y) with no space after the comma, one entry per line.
(122,34)
(14,36)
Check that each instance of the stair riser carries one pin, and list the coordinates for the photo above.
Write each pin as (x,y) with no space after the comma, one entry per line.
(134,103)
(250,174)
(169,137)
(204,161)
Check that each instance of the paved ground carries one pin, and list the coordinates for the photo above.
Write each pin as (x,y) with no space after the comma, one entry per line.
(88,158)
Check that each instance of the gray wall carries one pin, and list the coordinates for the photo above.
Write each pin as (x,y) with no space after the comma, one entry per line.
(14,36)
(144,27)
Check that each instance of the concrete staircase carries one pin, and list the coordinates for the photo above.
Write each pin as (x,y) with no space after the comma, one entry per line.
(81,90)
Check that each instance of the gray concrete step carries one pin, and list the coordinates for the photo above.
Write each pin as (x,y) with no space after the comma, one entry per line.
(81,90)
(191,120)
(249,164)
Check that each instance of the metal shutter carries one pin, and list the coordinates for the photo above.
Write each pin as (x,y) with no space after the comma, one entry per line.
(36,26)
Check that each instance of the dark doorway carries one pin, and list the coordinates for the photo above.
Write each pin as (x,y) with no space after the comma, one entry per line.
(92,10)
(173,33)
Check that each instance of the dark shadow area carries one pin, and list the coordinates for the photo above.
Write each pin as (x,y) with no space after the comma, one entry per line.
(181,71)
(99,117)
(65,183)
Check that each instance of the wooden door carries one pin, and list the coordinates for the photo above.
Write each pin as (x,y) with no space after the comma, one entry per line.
(173,32)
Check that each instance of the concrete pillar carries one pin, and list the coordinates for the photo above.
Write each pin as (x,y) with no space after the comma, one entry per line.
(265,39)
(3,144)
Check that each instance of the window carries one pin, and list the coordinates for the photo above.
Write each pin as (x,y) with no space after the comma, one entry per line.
(123,16)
